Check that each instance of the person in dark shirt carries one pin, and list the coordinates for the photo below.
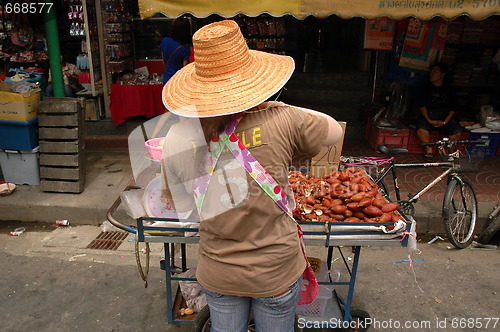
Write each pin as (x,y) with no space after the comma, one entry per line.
(437,104)
(175,50)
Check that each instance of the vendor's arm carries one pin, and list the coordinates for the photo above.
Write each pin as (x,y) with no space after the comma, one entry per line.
(174,190)
(448,117)
(335,131)
(161,123)
(425,114)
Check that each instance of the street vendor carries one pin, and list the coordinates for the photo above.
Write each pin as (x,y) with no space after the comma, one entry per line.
(228,159)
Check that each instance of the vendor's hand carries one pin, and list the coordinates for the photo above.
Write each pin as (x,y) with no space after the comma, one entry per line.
(437,123)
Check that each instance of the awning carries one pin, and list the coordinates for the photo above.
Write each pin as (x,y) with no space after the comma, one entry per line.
(369,9)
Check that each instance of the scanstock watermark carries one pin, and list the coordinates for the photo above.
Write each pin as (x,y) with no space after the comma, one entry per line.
(455,323)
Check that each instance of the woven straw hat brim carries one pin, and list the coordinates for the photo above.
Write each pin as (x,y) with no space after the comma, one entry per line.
(190,95)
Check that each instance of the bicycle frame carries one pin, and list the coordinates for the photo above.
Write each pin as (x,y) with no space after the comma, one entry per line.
(413,198)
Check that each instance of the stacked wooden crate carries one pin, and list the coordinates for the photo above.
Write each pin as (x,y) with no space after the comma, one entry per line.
(62,144)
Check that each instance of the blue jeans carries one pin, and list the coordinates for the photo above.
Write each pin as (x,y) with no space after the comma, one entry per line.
(231,313)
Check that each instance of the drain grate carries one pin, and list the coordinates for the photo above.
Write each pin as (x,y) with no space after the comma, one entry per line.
(108,240)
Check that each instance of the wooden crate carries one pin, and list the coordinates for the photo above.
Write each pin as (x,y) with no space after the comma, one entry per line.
(62,145)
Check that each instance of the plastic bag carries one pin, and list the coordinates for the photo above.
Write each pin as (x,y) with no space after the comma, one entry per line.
(106,226)
(191,291)
(493,123)
(132,202)
(486,112)
(412,239)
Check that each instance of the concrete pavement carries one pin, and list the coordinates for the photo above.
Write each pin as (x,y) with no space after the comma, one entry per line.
(49,281)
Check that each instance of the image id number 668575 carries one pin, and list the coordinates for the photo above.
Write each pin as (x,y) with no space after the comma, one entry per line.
(28,8)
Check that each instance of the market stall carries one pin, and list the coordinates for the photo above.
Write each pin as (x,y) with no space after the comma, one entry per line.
(128,100)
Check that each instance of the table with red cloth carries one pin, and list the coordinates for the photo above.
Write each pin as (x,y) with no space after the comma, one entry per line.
(129,100)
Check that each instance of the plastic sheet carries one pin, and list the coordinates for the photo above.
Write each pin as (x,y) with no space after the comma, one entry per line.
(191,291)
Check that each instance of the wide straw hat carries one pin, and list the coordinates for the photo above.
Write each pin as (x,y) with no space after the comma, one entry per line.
(226,77)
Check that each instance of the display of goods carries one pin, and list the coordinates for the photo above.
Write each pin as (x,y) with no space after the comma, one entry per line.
(342,196)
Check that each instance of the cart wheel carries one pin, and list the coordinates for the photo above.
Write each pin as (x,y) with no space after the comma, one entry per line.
(360,317)
(202,322)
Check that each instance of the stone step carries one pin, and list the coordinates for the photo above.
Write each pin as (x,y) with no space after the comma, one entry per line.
(108,127)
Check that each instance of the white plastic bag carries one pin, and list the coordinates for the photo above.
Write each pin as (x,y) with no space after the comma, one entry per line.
(132,202)
(493,123)
(487,111)
(191,291)
(412,239)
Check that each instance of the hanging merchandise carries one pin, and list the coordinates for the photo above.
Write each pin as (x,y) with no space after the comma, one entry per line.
(21,34)
(82,62)
(264,33)
(397,73)
(117,32)
(118,51)
(423,44)
(379,34)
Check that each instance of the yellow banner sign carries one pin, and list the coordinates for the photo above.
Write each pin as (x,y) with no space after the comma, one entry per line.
(369,9)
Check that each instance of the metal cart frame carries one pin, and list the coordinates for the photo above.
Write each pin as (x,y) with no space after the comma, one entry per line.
(327,236)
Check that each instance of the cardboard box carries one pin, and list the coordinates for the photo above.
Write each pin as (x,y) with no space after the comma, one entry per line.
(327,161)
(17,106)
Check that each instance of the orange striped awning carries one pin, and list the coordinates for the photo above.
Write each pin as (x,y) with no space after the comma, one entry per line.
(369,9)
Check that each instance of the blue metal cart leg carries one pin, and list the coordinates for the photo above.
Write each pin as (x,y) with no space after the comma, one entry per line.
(352,282)
(165,265)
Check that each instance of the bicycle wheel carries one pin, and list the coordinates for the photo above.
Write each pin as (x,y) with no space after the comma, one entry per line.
(460,212)
(490,231)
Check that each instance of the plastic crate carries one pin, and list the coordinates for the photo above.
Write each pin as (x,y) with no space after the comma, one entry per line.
(463,137)
(394,138)
(492,140)
(19,135)
(21,167)
(415,144)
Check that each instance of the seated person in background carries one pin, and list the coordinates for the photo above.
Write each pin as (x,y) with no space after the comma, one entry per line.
(70,79)
(437,102)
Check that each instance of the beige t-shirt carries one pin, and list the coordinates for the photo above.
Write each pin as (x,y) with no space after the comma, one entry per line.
(248,245)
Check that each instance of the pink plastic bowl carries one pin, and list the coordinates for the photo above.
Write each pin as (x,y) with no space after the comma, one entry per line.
(153,148)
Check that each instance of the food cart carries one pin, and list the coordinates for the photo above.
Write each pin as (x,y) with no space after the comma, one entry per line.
(331,235)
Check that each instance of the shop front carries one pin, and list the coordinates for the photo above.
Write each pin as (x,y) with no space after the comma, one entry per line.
(351,54)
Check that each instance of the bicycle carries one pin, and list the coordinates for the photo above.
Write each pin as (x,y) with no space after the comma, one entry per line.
(460,207)
(493,226)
